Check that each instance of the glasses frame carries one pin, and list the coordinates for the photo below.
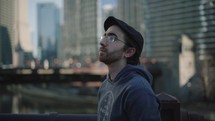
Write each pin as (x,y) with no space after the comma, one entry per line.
(111,38)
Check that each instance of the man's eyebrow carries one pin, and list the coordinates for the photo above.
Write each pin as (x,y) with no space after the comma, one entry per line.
(110,34)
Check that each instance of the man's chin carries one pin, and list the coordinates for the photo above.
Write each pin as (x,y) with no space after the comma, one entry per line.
(103,60)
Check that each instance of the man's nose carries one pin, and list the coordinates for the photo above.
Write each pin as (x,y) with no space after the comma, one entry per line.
(103,42)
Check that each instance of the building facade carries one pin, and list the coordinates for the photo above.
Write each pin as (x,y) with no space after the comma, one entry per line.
(132,12)
(14,31)
(168,23)
(80,29)
(48,31)
(23,43)
(7,37)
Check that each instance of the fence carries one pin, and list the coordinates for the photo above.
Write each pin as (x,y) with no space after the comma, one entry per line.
(170,111)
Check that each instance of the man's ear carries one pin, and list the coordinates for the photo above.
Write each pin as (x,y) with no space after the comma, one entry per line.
(130,52)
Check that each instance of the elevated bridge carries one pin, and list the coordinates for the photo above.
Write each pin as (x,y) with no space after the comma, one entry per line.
(60,75)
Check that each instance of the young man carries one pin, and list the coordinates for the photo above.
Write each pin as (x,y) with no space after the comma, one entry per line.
(126,93)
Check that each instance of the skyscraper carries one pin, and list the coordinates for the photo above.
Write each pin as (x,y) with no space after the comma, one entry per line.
(5,47)
(168,23)
(132,12)
(7,37)
(80,29)
(14,31)
(23,43)
(48,31)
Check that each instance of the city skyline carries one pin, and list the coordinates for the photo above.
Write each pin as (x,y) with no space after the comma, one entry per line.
(48,31)
(33,19)
(106,4)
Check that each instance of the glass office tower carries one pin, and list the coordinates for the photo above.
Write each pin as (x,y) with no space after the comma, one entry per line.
(48,31)
(171,24)
(80,29)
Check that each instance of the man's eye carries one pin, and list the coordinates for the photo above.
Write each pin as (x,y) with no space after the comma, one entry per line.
(109,37)
(112,38)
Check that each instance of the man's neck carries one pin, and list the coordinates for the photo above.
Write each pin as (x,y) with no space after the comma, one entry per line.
(115,68)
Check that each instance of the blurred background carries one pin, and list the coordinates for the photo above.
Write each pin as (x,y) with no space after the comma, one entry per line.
(49,48)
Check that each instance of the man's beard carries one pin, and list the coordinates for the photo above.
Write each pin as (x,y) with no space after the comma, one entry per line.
(108,58)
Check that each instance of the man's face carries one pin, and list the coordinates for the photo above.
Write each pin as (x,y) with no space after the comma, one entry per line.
(112,51)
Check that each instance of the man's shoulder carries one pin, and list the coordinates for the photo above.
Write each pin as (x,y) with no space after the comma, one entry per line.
(139,83)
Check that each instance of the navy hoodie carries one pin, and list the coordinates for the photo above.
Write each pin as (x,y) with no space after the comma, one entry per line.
(129,97)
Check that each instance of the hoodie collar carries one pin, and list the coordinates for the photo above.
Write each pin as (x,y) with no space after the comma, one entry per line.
(137,69)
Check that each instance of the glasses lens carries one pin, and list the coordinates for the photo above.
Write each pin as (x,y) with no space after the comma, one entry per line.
(111,38)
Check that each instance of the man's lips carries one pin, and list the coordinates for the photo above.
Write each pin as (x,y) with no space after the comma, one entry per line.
(102,49)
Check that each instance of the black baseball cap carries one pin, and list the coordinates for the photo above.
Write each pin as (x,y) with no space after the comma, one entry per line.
(134,35)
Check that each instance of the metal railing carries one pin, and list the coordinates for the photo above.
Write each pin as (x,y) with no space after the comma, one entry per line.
(48,117)
(170,111)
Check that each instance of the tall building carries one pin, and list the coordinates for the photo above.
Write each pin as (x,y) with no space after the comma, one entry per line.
(80,29)
(48,31)
(132,12)
(7,11)
(14,31)
(23,44)
(24,32)
(175,29)
(5,47)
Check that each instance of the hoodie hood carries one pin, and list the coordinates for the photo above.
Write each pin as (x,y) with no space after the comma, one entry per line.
(127,72)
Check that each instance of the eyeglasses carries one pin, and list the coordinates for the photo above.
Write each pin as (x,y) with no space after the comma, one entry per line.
(111,38)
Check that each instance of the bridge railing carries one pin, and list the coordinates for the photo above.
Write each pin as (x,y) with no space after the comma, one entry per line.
(48,117)
(20,76)
(170,111)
